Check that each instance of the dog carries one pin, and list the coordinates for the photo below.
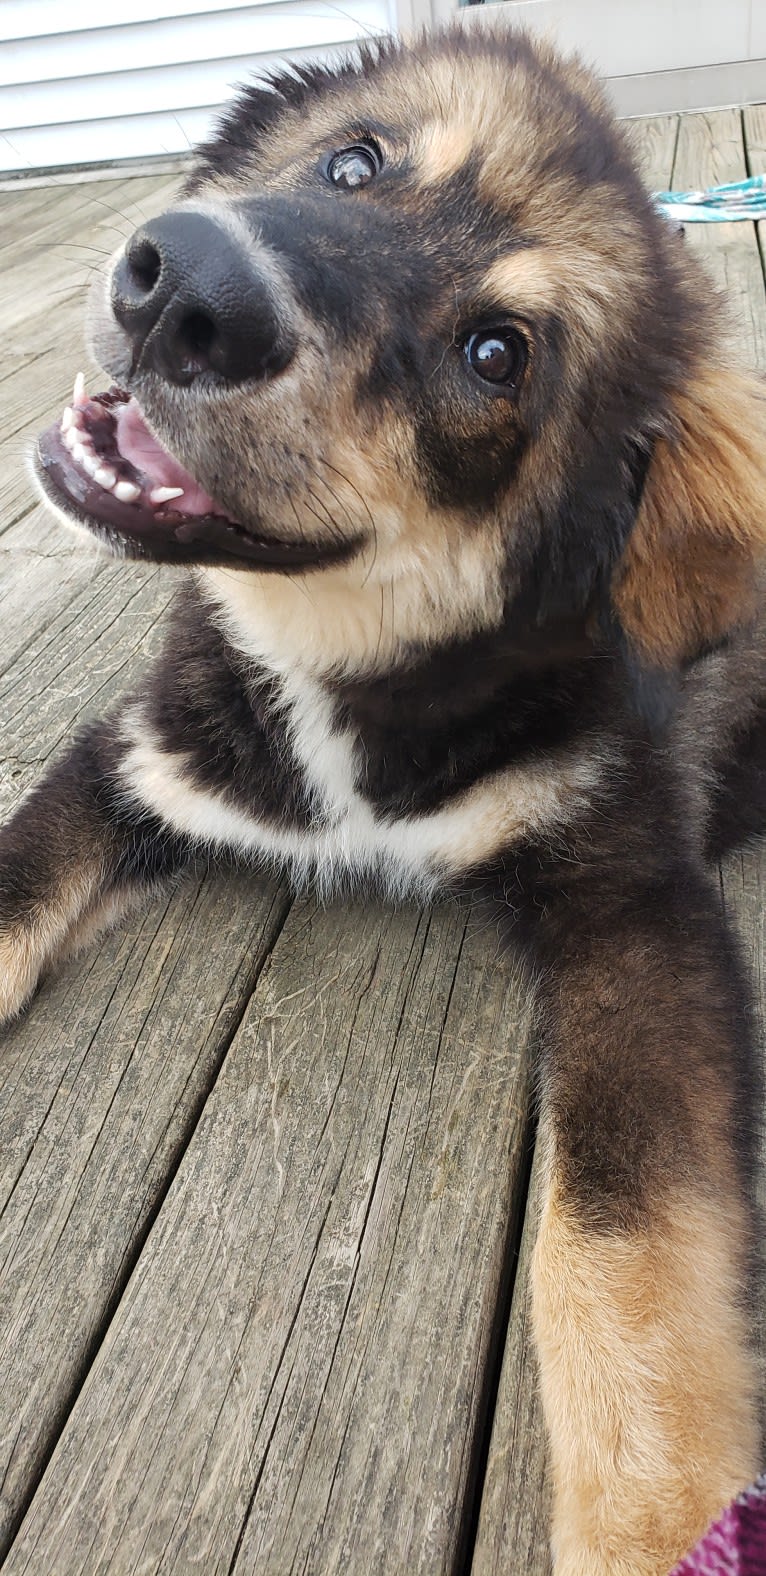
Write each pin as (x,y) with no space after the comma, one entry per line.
(440,415)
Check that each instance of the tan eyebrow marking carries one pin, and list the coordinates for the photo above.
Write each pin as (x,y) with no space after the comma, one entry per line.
(524,279)
(442,150)
(539,278)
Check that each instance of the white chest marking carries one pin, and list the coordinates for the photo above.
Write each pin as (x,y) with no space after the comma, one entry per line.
(347,843)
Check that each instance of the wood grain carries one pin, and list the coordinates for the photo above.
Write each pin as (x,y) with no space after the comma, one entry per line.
(102,1085)
(293,1380)
(513,1522)
(76,633)
(711,150)
(654,142)
(103,1081)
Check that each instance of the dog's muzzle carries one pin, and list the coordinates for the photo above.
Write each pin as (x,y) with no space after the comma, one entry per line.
(192,300)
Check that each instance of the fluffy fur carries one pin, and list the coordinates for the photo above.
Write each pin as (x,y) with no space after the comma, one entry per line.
(447,630)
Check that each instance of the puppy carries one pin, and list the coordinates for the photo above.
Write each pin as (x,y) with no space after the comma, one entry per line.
(439,415)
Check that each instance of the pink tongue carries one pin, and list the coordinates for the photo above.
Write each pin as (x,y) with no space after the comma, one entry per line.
(137,445)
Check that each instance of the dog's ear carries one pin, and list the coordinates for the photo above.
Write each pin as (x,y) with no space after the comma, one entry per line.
(689,573)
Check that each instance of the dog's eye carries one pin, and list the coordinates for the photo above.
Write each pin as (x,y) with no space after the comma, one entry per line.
(354,167)
(497,355)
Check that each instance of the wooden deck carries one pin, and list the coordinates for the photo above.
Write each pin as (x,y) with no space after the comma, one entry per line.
(264,1167)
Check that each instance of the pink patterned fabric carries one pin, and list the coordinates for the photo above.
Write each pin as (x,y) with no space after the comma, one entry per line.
(736,1543)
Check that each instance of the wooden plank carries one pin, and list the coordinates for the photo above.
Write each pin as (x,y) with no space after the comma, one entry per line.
(104,1079)
(102,1085)
(49,215)
(76,632)
(56,250)
(711,150)
(293,1380)
(654,142)
(754,126)
(754,119)
(514,1513)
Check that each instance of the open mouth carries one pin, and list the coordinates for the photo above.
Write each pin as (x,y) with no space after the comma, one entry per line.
(104,469)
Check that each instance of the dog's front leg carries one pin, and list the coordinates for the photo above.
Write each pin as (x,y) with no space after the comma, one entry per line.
(647,1376)
(74,857)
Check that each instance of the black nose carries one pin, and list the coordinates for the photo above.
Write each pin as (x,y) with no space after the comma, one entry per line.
(193,301)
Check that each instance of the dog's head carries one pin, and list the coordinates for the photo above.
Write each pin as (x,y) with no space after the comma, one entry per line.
(415,338)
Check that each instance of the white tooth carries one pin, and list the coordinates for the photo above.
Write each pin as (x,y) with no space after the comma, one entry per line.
(79,389)
(164,494)
(105,477)
(78,452)
(91,464)
(71,438)
(127,492)
(67,418)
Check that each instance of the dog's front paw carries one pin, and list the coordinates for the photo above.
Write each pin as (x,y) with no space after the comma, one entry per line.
(20,966)
(641,1542)
(590,1561)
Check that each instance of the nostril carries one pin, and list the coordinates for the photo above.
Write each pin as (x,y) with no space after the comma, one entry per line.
(195,338)
(144,265)
(194,304)
(197,331)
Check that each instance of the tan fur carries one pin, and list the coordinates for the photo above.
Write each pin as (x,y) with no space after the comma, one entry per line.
(21,961)
(421,577)
(44,937)
(571,274)
(524,281)
(693,565)
(646,1380)
(507,806)
(441,151)
(104,915)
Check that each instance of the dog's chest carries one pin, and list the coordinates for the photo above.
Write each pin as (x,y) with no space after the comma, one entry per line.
(342,837)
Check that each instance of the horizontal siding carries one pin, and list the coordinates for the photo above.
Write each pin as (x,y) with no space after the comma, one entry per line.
(125,137)
(253,30)
(21,19)
(141,88)
(134,92)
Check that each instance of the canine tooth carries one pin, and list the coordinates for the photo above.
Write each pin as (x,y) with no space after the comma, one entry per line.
(67,418)
(105,477)
(91,464)
(79,389)
(72,438)
(127,492)
(164,494)
(78,452)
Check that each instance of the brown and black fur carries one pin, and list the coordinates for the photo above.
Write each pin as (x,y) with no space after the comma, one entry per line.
(539,600)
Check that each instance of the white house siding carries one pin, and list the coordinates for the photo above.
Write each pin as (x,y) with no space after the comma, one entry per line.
(75,89)
(92,81)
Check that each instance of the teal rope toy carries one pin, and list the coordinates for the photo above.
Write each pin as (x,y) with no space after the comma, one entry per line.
(717,205)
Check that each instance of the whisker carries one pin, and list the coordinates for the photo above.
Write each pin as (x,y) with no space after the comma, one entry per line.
(331,521)
(365,506)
